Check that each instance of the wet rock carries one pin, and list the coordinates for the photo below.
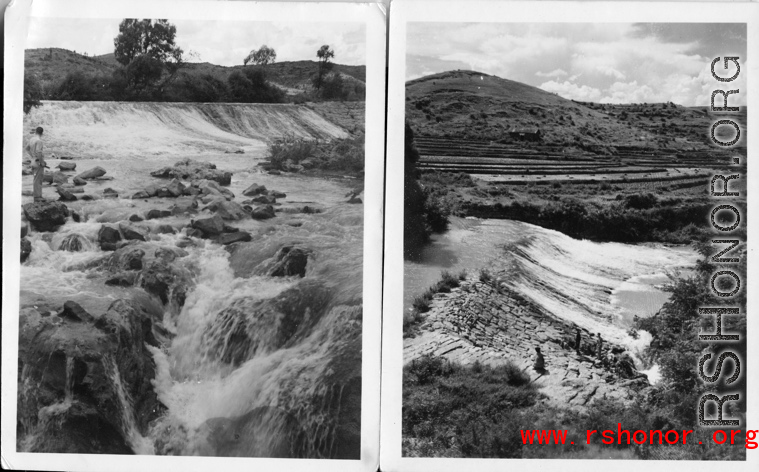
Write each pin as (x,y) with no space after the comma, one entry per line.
(290,261)
(24,229)
(165,229)
(191,190)
(228,210)
(73,243)
(93,173)
(166,281)
(76,217)
(55,178)
(65,195)
(236,237)
(108,236)
(122,279)
(184,209)
(141,194)
(73,311)
(46,216)
(263,212)
(89,197)
(209,187)
(355,199)
(254,190)
(110,193)
(277,194)
(153,214)
(173,190)
(131,232)
(189,169)
(26,249)
(168,254)
(77,362)
(263,199)
(135,218)
(79,181)
(66,166)
(125,258)
(194,233)
(210,227)
(262,432)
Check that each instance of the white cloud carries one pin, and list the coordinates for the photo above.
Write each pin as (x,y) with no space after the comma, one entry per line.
(553,74)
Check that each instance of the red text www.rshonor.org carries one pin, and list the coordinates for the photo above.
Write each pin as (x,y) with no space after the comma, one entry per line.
(652,436)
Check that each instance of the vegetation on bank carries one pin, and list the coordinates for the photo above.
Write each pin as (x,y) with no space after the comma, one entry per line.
(599,212)
(297,155)
(423,213)
(421,304)
(451,410)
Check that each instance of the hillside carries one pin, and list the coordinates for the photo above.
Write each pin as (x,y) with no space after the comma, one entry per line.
(51,65)
(473,105)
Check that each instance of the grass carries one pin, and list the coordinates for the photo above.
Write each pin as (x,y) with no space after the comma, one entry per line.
(422,302)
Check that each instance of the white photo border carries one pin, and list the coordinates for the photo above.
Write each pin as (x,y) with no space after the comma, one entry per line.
(373,15)
(404,12)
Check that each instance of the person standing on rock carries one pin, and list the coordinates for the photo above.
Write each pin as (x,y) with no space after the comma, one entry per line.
(578,339)
(34,149)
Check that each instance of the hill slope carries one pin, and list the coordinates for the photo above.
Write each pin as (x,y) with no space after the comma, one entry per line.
(50,66)
(473,105)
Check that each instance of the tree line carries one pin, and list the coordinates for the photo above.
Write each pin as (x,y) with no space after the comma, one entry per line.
(152,67)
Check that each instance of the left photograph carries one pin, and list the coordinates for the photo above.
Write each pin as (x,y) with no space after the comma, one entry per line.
(192,238)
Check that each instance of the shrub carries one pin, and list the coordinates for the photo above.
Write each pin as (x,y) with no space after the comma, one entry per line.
(290,149)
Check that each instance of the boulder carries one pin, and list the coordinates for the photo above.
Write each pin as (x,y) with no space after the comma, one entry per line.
(174,189)
(140,194)
(263,212)
(135,218)
(254,190)
(264,200)
(153,214)
(110,193)
(189,169)
(89,197)
(290,261)
(46,216)
(354,199)
(236,237)
(166,281)
(277,194)
(191,190)
(26,248)
(55,178)
(93,173)
(65,195)
(131,232)
(125,258)
(73,311)
(74,243)
(66,166)
(228,210)
(122,279)
(79,181)
(209,187)
(184,209)
(169,254)
(88,367)
(209,227)
(109,236)
(165,229)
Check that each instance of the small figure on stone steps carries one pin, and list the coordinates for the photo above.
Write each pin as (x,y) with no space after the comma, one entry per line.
(540,362)
(578,339)
(599,347)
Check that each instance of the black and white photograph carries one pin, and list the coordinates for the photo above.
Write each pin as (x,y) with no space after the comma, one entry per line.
(568,187)
(194,197)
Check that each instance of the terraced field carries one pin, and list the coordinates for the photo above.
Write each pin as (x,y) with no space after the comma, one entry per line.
(534,164)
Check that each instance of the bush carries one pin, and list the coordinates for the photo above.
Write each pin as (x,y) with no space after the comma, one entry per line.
(641,201)
(251,86)
(290,151)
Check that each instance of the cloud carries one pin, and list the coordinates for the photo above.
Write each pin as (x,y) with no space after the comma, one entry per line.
(553,74)
(584,61)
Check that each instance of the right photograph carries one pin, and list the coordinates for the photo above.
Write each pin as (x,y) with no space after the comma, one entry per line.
(574,241)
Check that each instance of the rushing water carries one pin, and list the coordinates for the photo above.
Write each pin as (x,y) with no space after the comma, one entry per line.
(293,388)
(599,286)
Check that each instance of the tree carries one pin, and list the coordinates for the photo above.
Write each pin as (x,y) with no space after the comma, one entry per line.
(75,86)
(32,93)
(324,54)
(146,49)
(264,55)
(250,86)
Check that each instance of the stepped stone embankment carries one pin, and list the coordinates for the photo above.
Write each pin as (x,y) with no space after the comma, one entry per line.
(478,322)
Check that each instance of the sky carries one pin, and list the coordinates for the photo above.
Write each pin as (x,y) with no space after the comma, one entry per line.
(599,62)
(224,43)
